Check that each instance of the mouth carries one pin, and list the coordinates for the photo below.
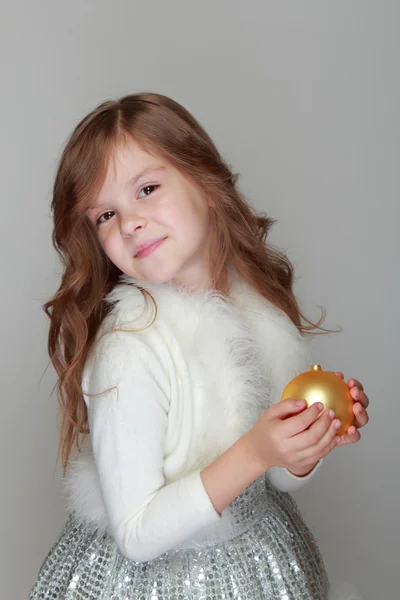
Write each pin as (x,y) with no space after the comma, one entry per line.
(146,250)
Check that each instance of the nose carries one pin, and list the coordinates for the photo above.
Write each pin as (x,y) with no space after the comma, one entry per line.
(130,223)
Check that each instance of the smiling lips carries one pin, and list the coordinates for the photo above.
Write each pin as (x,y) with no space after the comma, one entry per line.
(147,248)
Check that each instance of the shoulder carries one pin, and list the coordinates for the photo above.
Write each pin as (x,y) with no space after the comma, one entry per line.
(129,305)
(117,356)
(257,308)
(147,326)
(126,344)
(169,310)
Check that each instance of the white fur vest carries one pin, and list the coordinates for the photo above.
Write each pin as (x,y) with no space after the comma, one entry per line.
(223,364)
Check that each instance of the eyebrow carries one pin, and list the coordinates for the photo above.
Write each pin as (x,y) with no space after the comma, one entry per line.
(147,170)
(136,178)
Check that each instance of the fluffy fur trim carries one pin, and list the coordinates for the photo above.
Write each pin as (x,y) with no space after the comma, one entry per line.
(228,361)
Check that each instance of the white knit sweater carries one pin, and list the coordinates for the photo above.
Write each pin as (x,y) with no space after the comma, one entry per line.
(172,398)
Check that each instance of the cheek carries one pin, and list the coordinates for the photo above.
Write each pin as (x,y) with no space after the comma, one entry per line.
(167,212)
(189,219)
(110,243)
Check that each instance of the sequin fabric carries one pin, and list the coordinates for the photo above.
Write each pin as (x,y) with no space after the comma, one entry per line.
(274,558)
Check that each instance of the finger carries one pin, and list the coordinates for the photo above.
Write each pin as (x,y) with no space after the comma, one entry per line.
(349,438)
(361,417)
(359,396)
(319,434)
(354,382)
(300,422)
(364,400)
(326,444)
(286,408)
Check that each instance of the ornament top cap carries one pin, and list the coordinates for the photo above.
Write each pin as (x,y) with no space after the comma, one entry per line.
(316,368)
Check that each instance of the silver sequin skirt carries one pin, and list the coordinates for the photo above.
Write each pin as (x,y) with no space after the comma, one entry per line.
(275,557)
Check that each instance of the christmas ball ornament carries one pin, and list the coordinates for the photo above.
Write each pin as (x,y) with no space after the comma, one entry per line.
(317,385)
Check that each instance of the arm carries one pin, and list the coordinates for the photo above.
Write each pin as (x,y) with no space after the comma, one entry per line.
(128,425)
(232,472)
(285,481)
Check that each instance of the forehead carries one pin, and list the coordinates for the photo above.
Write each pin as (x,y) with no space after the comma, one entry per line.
(128,164)
(129,161)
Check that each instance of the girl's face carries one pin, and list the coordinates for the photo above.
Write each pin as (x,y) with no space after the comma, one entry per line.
(152,221)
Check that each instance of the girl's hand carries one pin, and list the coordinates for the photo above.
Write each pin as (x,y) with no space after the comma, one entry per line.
(361,418)
(291,435)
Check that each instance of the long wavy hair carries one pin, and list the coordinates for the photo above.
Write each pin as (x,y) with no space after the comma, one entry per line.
(238,234)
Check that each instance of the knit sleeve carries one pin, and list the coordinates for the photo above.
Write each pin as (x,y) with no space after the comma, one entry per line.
(285,481)
(128,423)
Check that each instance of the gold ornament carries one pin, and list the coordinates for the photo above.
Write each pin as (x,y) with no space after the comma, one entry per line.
(317,385)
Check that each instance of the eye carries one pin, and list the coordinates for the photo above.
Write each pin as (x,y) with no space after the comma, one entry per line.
(107,215)
(148,187)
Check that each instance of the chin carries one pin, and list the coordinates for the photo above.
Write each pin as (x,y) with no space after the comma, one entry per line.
(157,277)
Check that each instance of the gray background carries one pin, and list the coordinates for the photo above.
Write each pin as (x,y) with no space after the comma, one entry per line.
(302,98)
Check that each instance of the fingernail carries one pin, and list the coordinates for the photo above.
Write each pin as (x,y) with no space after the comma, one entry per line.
(299,402)
(337,424)
(332,414)
(320,406)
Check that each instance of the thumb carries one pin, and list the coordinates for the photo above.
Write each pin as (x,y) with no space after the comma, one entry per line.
(287,407)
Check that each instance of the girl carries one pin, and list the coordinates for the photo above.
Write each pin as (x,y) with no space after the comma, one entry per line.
(174,331)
